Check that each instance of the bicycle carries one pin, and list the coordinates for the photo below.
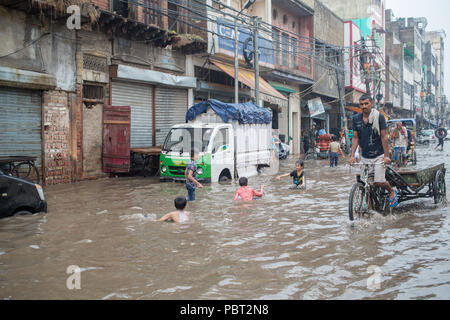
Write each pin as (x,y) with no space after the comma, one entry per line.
(21,167)
(365,196)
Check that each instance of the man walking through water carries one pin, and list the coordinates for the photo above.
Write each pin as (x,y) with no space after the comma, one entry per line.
(369,132)
(441,134)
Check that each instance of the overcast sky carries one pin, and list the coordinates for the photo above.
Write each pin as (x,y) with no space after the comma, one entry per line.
(437,13)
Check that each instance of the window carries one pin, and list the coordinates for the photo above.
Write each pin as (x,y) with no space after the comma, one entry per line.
(274,14)
(285,19)
(293,53)
(93,94)
(174,23)
(220,141)
(276,46)
(285,49)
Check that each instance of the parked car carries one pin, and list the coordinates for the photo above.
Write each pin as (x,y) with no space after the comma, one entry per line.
(426,137)
(18,196)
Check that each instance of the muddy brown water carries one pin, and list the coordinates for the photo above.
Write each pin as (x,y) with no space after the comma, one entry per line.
(289,245)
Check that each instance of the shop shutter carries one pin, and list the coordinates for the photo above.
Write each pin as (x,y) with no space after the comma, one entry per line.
(20,123)
(139,98)
(171,107)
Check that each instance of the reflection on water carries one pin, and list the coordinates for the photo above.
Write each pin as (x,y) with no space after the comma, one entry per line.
(291,244)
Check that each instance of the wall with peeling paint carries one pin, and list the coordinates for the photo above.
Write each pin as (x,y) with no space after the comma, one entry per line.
(30,44)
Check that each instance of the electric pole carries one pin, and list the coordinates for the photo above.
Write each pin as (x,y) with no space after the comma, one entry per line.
(341,100)
(256,56)
(236,63)
(236,51)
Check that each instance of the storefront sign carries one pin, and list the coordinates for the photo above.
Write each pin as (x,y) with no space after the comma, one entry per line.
(315,107)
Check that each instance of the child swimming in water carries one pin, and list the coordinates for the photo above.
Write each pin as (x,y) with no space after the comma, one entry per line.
(246,193)
(298,176)
(180,215)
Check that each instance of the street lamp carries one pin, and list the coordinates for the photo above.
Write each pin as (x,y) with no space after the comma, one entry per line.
(247,5)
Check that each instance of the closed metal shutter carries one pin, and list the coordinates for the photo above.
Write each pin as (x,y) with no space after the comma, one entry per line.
(139,98)
(20,123)
(171,107)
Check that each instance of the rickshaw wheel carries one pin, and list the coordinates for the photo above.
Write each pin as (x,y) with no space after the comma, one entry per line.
(439,187)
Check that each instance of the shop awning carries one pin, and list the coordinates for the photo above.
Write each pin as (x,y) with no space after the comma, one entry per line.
(247,77)
(151,76)
(11,77)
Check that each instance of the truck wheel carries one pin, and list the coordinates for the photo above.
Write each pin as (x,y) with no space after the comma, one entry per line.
(225,176)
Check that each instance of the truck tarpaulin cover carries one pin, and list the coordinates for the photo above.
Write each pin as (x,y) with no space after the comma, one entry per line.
(245,113)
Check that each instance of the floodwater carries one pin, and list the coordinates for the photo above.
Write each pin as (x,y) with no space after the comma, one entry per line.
(288,245)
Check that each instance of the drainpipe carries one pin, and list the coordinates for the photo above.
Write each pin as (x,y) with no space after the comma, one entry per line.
(289,120)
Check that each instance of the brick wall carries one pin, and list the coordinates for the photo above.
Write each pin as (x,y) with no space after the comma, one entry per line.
(102,4)
(56,135)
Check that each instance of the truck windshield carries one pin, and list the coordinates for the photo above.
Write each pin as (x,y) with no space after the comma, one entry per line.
(184,139)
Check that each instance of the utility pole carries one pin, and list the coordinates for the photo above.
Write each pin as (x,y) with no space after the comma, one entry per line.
(341,101)
(366,68)
(236,51)
(236,63)
(256,56)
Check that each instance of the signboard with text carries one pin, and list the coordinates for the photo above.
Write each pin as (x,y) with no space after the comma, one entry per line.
(225,30)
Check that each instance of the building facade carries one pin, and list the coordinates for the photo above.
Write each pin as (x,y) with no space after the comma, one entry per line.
(328,59)
(364,32)
(121,54)
(437,41)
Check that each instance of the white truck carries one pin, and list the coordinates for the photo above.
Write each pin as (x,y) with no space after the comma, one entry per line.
(233,140)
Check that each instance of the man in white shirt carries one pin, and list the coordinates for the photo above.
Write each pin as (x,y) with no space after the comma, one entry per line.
(400,142)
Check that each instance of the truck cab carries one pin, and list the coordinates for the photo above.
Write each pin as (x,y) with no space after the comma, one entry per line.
(215,144)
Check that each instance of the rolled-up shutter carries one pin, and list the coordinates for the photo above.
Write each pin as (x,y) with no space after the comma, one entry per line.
(20,123)
(171,107)
(139,98)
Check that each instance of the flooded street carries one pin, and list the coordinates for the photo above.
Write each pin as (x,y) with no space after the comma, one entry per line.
(288,245)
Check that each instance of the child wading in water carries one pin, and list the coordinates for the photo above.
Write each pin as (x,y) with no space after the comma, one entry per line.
(191,176)
(246,193)
(298,176)
(180,215)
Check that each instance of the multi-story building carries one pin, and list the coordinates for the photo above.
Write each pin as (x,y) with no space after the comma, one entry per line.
(430,62)
(293,72)
(329,40)
(285,63)
(363,19)
(406,42)
(62,75)
(437,40)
